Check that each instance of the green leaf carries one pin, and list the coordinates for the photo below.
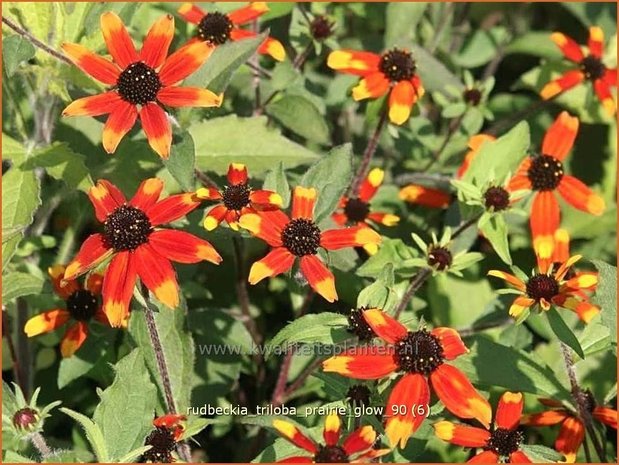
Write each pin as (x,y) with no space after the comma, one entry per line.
(606,296)
(541,454)
(181,163)
(127,407)
(94,353)
(380,293)
(446,295)
(434,75)
(563,331)
(18,284)
(401,21)
(230,139)
(93,434)
(15,50)
(275,180)
(330,176)
(301,116)
(536,43)
(12,150)
(131,457)
(495,230)
(480,47)
(391,251)
(9,401)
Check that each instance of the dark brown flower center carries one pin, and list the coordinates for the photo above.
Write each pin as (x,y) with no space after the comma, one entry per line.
(358,326)
(82,305)
(321,28)
(504,441)
(163,443)
(545,173)
(331,454)
(25,418)
(542,286)
(138,84)
(397,65)
(236,196)
(472,96)
(592,67)
(301,237)
(215,28)
(358,395)
(440,258)
(356,210)
(496,198)
(126,228)
(419,352)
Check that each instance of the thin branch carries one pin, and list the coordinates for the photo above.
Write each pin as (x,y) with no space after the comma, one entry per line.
(205,179)
(36,42)
(297,383)
(282,378)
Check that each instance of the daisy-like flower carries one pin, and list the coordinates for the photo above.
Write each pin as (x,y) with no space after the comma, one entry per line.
(393,73)
(546,288)
(356,447)
(499,444)
(545,174)
(300,237)
(81,305)
(217,28)
(418,356)
(164,438)
(137,246)
(236,199)
(572,430)
(590,68)
(142,84)
(357,210)
(417,194)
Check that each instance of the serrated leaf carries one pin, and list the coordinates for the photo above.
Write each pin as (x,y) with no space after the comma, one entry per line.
(182,160)
(301,116)
(93,434)
(541,454)
(15,50)
(18,284)
(606,296)
(276,180)
(563,331)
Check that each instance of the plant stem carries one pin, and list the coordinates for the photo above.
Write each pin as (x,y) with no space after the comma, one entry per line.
(205,179)
(38,441)
(36,42)
(7,331)
(297,383)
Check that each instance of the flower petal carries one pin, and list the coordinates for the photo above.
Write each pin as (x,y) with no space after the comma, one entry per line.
(610,76)
(568,80)
(581,196)
(189,97)
(544,221)
(519,457)
(274,48)
(297,459)
(332,430)
(117,39)
(401,100)
(157,128)
(277,261)
(237,174)
(147,194)
(92,64)
(121,120)
(118,284)
(561,251)
(191,13)
(547,418)
(361,439)
(106,198)
(602,90)
(486,456)
(364,362)
(511,279)
(509,410)
(214,217)
(583,280)
(559,138)
(386,219)
(248,13)
(426,196)
(46,322)
(461,435)
(184,62)
(370,184)
(450,341)
(157,42)
(585,310)
(182,247)
(94,250)
(294,435)
(172,208)
(95,105)
(606,415)
(385,326)
(62,287)
(596,41)
(265,200)
(374,85)
(303,201)
(401,411)
(571,435)
(355,236)
(266,225)
(353,62)
(157,273)
(319,277)
(94,283)
(73,339)
(519,305)
(570,49)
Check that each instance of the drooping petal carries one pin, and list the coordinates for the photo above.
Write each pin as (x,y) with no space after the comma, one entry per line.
(359,440)
(561,250)
(189,97)
(560,136)
(587,280)
(319,277)
(92,64)
(568,80)
(172,208)
(237,174)
(458,394)
(93,251)
(117,39)
(118,285)
(274,48)
(602,90)
(370,184)
(569,47)
(544,221)
(519,457)
(332,430)
(520,181)
(184,62)
(277,261)
(265,200)
(248,13)
(581,196)
(426,196)
(371,362)
(353,62)
(461,435)
(294,435)
(147,194)
(191,13)
(73,339)
(119,123)
(157,41)
(547,418)
(401,100)
(374,85)
(386,219)
(519,305)
(95,105)
(266,225)
(450,341)
(509,410)
(157,128)
(46,322)
(303,201)
(606,415)
(182,247)
(596,41)
(297,459)
(385,326)
(571,435)
(355,236)
(610,76)
(486,456)
(511,279)
(157,273)
(214,217)
(62,287)
(585,310)
(403,419)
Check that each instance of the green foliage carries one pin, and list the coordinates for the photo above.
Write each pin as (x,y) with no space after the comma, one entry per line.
(606,296)
(301,116)
(15,50)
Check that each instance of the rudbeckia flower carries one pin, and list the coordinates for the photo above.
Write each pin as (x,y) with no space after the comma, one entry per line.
(419,356)
(546,288)
(356,447)
(417,194)
(217,28)
(141,84)
(545,174)
(300,237)
(137,246)
(393,73)
(236,199)
(357,210)
(81,305)
(501,443)
(572,430)
(164,438)
(590,67)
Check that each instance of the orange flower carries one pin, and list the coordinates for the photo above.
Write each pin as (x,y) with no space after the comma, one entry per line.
(546,288)
(590,67)
(545,174)
(217,28)
(501,443)
(393,73)
(81,305)
(136,247)
(163,439)
(300,237)
(572,431)
(237,199)
(357,446)
(421,356)
(427,196)
(146,79)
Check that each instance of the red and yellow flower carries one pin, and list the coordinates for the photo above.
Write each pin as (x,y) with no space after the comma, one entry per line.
(546,288)
(499,444)
(137,247)
(216,28)
(393,73)
(590,68)
(300,237)
(164,438)
(417,194)
(81,305)
(545,174)
(420,355)
(356,447)
(572,430)
(236,199)
(142,83)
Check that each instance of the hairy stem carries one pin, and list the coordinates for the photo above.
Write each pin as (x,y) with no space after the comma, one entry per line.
(34,41)
(39,442)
